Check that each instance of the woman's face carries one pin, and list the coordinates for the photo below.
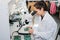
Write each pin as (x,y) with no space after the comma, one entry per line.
(39,11)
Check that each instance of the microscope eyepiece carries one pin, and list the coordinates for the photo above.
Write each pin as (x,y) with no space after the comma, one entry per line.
(33,13)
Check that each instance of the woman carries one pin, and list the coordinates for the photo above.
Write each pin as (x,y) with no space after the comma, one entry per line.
(45,27)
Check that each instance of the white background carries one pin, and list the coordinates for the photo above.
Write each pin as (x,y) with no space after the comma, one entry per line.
(4,20)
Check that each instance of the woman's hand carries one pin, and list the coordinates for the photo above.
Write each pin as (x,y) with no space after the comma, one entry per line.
(30,31)
(30,27)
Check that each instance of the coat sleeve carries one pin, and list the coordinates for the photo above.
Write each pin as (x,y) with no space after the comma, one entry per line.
(46,34)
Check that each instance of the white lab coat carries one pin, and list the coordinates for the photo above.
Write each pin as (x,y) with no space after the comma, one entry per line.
(46,29)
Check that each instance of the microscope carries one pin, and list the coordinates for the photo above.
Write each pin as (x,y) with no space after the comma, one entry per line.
(23,18)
